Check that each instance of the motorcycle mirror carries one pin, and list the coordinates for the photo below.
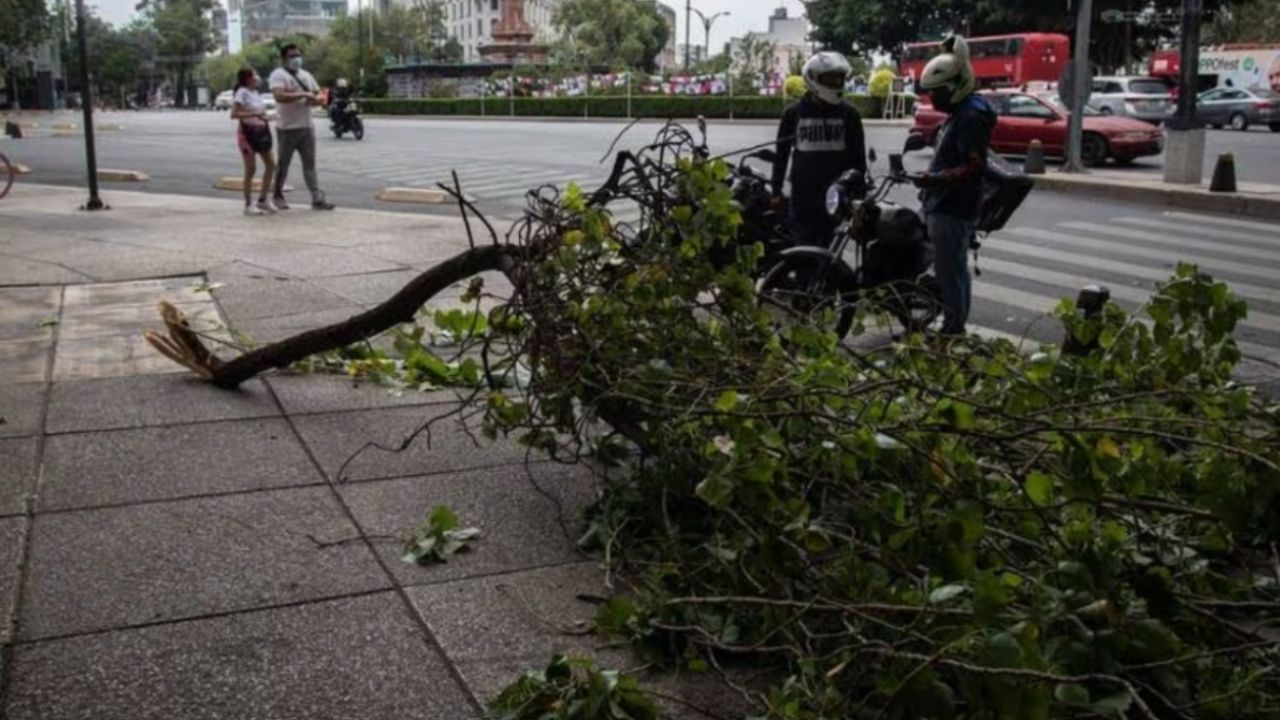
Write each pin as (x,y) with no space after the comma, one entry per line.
(895,164)
(871,156)
(702,126)
(915,141)
(766,155)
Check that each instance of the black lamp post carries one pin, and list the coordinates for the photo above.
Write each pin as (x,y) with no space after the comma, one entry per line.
(1184,117)
(707,22)
(86,102)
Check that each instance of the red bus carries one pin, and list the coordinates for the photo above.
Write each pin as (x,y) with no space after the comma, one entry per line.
(1001,60)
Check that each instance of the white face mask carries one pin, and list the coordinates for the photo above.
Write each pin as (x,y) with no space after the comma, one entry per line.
(294,63)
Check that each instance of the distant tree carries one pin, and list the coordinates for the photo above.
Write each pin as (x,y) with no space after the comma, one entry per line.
(24,24)
(1244,21)
(219,71)
(184,33)
(618,33)
(755,56)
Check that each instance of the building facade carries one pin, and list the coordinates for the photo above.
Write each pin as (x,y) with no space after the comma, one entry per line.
(789,37)
(669,56)
(252,21)
(472,22)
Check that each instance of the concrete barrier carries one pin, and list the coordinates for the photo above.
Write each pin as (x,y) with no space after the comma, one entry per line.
(109,175)
(65,126)
(20,169)
(425,196)
(230,182)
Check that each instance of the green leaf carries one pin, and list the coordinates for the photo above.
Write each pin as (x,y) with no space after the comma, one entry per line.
(728,401)
(1071,694)
(947,592)
(715,489)
(1039,487)
(443,518)
(1116,705)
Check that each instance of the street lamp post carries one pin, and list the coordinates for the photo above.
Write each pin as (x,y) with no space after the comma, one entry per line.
(707,22)
(86,102)
(688,19)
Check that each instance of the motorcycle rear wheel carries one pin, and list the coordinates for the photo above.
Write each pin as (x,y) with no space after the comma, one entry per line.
(915,304)
(357,129)
(804,287)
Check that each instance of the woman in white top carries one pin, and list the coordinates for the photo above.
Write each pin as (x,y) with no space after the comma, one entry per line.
(253,136)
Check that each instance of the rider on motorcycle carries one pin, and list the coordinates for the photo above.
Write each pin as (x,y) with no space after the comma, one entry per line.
(825,134)
(951,191)
(340,98)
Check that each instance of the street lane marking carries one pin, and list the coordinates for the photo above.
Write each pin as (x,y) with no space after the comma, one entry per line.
(1043,305)
(1146,272)
(1164,239)
(1128,293)
(1162,256)
(1271,228)
(1217,233)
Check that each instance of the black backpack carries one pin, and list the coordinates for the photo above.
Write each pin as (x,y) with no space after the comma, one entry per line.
(1004,187)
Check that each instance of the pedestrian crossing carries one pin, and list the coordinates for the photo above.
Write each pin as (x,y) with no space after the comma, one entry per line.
(1027,270)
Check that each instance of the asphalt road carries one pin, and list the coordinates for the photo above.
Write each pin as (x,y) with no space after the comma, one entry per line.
(1054,244)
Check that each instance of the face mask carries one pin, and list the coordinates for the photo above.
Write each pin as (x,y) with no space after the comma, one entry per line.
(941,100)
(294,63)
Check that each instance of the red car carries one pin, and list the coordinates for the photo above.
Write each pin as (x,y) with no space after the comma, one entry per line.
(1024,117)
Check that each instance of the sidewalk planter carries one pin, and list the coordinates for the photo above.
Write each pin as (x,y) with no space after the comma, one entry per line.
(645,106)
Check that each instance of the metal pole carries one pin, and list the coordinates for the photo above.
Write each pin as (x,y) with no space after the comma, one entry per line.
(1080,90)
(360,44)
(688,18)
(1128,36)
(86,102)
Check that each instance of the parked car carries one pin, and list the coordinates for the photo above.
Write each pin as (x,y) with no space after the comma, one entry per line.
(226,98)
(1023,117)
(1144,98)
(1239,108)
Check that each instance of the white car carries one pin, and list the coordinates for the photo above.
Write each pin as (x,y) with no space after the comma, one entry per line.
(226,98)
(1143,98)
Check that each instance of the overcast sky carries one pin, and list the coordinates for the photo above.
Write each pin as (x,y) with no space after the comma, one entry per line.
(746,15)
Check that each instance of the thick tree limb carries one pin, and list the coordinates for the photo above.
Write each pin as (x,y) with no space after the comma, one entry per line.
(184,347)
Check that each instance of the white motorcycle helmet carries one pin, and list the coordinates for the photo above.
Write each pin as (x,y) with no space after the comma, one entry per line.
(948,78)
(825,75)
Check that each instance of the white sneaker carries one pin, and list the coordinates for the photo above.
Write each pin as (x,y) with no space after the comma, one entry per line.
(251,210)
(267,206)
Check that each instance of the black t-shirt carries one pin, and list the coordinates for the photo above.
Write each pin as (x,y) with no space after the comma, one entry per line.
(823,141)
(960,160)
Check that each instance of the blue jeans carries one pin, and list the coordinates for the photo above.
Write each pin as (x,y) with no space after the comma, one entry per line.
(951,236)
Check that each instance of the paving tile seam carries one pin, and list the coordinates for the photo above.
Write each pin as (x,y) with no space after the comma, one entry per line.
(29,505)
(200,617)
(424,630)
(81,273)
(583,560)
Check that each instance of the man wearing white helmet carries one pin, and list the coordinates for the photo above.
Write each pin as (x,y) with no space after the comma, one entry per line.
(821,137)
(952,189)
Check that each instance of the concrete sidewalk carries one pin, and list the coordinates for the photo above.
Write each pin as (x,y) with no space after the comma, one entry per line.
(169,550)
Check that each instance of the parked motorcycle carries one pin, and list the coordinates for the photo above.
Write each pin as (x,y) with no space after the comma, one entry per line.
(346,119)
(892,256)
(892,250)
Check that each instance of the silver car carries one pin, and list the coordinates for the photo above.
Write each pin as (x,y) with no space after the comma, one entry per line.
(1143,98)
(1239,108)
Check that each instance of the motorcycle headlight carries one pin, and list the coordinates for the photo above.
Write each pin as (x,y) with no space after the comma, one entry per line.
(835,200)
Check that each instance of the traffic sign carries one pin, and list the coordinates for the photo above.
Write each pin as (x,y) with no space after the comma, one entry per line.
(1067,84)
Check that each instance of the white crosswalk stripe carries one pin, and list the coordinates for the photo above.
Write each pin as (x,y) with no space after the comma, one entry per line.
(1268,228)
(1211,236)
(1166,239)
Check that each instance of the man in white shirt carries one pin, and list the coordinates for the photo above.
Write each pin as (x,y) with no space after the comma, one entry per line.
(296,91)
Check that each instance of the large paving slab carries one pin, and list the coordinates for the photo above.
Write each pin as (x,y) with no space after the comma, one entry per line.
(355,658)
(521,526)
(20,408)
(315,262)
(17,473)
(11,530)
(114,567)
(323,393)
(118,467)
(28,313)
(245,298)
(264,331)
(340,439)
(25,361)
(125,402)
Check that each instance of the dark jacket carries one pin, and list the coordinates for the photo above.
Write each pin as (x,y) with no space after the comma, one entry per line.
(954,185)
(826,140)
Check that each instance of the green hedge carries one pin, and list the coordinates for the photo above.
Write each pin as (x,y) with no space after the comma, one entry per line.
(646,106)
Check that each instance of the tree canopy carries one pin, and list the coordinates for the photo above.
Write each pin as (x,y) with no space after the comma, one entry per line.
(620,33)
(887,25)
